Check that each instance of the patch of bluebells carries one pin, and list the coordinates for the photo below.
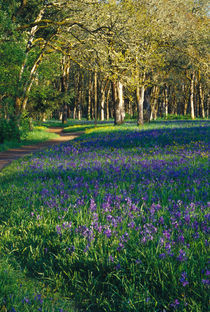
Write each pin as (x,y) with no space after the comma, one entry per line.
(129,190)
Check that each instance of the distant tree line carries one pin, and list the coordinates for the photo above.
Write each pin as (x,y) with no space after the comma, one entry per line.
(104,59)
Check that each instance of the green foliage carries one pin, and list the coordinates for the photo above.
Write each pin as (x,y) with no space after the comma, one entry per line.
(25,124)
(42,100)
(44,97)
(26,14)
(176,117)
(128,116)
(11,55)
(9,130)
(14,129)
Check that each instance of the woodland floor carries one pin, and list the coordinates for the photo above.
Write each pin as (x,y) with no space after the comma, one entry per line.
(12,154)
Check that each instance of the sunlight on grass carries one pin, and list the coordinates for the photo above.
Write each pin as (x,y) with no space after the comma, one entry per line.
(39,134)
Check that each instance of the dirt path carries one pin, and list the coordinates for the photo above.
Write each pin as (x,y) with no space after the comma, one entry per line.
(12,154)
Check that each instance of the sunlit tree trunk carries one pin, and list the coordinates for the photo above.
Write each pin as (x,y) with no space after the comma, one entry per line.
(74,112)
(104,85)
(96,96)
(79,112)
(166,100)
(107,102)
(114,94)
(192,110)
(119,105)
(30,40)
(153,113)
(140,91)
(31,79)
(90,87)
(185,89)
(102,104)
(140,103)
(21,101)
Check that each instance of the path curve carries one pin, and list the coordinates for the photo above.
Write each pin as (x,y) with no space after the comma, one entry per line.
(12,154)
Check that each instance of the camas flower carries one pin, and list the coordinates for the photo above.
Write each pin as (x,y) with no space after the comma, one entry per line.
(183,279)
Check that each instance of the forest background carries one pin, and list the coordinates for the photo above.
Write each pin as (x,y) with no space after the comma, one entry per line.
(103,59)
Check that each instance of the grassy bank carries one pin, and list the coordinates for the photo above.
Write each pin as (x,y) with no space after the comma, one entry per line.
(38,135)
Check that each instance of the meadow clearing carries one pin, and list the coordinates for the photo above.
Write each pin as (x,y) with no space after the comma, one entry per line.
(116,220)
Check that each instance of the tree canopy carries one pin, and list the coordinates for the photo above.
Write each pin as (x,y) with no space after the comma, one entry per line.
(152,56)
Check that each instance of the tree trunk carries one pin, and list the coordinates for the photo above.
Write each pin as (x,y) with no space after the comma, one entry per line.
(61,116)
(64,114)
(107,102)
(174,102)
(185,89)
(175,105)
(208,106)
(104,85)
(68,112)
(96,96)
(31,79)
(90,86)
(65,85)
(153,113)
(147,102)
(201,96)
(140,102)
(102,104)
(130,108)
(76,98)
(18,104)
(192,111)
(119,105)
(166,100)
(79,113)
(21,101)
(74,112)
(30,41)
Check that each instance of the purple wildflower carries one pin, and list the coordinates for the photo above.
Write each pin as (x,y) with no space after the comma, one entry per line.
(183,279)
(108,233)
(205,281)
(111,259)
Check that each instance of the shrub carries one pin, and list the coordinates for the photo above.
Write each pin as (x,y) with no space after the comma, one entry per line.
(25,125)
(9,130)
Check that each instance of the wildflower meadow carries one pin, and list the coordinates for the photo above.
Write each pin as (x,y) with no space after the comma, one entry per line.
(115,220)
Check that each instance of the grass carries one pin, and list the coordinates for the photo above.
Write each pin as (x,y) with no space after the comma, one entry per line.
(83,127)
(73,125)
(20,293)
(116,220)
(38,135)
